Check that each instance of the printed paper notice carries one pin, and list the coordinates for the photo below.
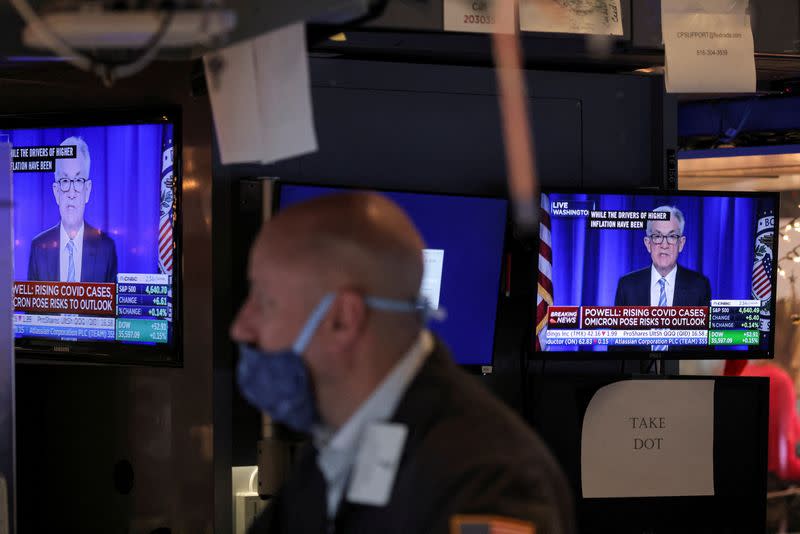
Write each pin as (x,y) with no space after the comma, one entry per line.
(649,438)
(479,16)
(601,17)
(432,261)
(708,53)
(261,97)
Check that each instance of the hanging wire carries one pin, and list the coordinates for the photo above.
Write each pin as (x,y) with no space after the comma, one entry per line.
(108,72)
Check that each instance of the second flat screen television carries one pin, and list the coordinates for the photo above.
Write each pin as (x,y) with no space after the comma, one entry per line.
(96,228)
(464,239)
(692,274)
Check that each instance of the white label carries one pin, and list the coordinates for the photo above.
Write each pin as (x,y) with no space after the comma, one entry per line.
(480,16)
(376,464)
(601,17)
(431,287)
(649,438)
(708,53)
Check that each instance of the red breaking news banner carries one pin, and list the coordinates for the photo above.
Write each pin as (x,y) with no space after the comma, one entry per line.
(564,317)
(65,297)
(629,317)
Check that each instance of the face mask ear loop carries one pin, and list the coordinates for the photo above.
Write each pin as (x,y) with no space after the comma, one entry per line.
(304,338)
(421,306)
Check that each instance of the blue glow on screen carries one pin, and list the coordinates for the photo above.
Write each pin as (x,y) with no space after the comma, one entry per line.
(470,231)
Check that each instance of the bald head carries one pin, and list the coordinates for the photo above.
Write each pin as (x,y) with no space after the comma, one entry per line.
(350,246)
(360,241)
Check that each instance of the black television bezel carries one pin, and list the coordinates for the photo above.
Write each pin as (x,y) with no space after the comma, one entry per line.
(478,368)
(42,350)
(677,354)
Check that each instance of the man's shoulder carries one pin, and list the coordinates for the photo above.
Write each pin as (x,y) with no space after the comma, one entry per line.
(468,414)
(98,236)
(473,453)
(46,238)
(635,276)
(688,274)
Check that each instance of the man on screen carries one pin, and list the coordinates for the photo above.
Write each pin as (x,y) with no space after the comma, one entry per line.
(664,283)
(72,250)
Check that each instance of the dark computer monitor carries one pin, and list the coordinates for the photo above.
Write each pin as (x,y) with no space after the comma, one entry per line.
(97,257)
(464,239)
(604,258)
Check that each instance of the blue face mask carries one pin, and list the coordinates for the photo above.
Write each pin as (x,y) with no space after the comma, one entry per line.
(277,382)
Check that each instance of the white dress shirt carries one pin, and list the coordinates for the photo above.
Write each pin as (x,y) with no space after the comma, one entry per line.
(655,287)
(337,451)
(77,254)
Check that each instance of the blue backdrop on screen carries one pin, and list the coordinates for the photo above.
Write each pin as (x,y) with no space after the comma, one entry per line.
(587,263)
(125,197)
(471,232)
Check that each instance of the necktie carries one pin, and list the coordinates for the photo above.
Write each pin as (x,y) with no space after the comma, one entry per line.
(662,301)
(71,267)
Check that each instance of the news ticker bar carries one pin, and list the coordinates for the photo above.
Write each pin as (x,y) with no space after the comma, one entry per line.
(736,315)
(144,278)
(157,312)
(81,328)
(653,337)
(144,289)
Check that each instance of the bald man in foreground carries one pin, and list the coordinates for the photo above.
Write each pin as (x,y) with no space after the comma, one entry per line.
(333,344)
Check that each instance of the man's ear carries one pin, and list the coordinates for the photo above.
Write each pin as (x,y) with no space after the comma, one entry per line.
(681,243)
(87,190)
(647,244)
(55,193)
(347,320)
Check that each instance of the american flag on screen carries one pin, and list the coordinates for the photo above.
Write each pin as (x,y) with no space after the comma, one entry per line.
(763,268)
(762,280)
(544,295)
(165,242)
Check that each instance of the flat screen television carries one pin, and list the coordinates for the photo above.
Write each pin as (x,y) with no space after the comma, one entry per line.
(464,238)
(679,275)
(97,257)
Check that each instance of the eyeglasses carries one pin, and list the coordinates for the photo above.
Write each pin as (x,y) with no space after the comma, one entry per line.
(658,238)
(65,183)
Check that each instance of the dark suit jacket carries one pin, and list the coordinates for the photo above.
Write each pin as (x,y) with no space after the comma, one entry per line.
(691,289)
(466,453)
(98,262)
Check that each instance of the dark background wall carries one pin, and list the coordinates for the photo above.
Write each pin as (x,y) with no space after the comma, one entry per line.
(436,128)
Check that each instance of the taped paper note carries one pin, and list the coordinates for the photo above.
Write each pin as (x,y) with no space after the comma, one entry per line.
(602,17)
(480,16)
(261,97)
(708,53)
(649,438)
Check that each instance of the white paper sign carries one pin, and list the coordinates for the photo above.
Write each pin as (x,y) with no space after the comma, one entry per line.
(431,287)
(479,16)
(708,53)
(602,17)
(376,464)
(649,438)
(261,98)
